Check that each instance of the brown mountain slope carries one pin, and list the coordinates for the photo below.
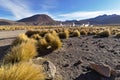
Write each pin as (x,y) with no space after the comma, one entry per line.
(103,20)
(6,22)
(39,19)
(10,22)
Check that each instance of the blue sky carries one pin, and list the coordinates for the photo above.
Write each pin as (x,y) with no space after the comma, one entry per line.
(58,9)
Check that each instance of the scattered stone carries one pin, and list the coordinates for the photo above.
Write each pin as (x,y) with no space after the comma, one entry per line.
(102,46)
(58,77)
(105,70)
(77,63)
(86,46)
(115,73)
(111,50)
(49,67)
(115,53)
(86,38)
(87,49)
(88,58)
(70,44)
(83,42)
(85,68)
(102,69)
(81,45)
(66,65)
(117,67)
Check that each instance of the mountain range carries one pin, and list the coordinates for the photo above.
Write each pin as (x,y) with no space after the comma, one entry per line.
(43,19)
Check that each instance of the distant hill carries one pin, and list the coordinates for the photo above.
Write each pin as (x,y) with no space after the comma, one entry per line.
(9,22)
(103,20)
(43,19)
(39,19)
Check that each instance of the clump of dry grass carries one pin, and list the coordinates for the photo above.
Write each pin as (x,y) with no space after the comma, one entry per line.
(24,51)
(21,38)
(64,34)
(53,32)
(83,32)
(49,43)
(75,33)
(92,32)
(49,37)
(56,44)
(42,44)
(105,33)
(42,47)
(43,32)
(21,71)
(36,36)
(117,35)
(53,41)
(29,33)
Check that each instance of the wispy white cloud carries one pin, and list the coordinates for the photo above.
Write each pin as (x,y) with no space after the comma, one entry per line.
(22,8)
(48,4)
(85,14)
(19,8)
(8,18)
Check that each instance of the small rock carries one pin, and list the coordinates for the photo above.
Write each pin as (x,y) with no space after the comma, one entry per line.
(66,65)
(81,45)
(88,58)
(115,53)
(99,40)
(87,49)
(117,67)
(48,66)
(111,50)
(102,69)
(85,67)
(87,39)
(86,46)
(77,63)
(101,46)
(70,44)
(83,42)
(115,73)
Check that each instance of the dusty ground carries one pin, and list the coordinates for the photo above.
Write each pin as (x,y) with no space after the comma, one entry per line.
(68,58)
(6,38)
(87,49)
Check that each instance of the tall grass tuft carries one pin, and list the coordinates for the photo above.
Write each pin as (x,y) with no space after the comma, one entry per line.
(49,37)
(54,33)
(117,35)
(21,38)
(36,36)
(49,43)
(53,41)
(24,51)
(42,44)
(105,33)
(83,32)
(64,34)
(29,33)
(21,71)
(75,33)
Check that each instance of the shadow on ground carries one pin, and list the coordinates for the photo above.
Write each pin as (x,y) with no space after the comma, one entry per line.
(7,38)
(44,52)
(3,50)
(92,75)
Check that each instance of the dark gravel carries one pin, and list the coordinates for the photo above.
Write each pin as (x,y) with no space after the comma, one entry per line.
(73,58)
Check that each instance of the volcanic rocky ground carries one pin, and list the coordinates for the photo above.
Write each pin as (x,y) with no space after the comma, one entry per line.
(73,58)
